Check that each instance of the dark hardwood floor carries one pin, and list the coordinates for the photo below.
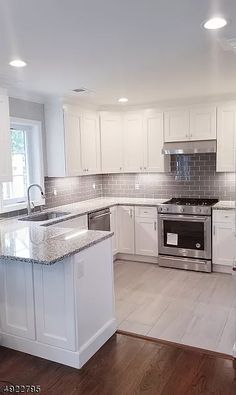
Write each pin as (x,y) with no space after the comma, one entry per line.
(125,366)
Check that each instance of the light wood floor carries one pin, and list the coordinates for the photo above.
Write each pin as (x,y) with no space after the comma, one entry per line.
(191,308)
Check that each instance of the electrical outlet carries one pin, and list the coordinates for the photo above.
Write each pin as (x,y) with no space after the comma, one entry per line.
(137,186)
(94,186)
(54,192)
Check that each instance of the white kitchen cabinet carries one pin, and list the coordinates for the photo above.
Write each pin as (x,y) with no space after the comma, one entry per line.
(126,229)
(203,123)
(195,123)
(63,140)
(146,233)
(133,142)
(90,143)
(54,304)
(176,125)
(5,141)
(17,299)
(111,142)
(223,243)
(154,160)
(114,229)
(226,132)
(72,136)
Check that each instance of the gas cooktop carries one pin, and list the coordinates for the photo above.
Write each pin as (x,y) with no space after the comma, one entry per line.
(191,202)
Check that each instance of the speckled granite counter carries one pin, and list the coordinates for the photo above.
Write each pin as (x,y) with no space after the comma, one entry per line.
(76,209)
(224,205)
(37,244)
(33,242)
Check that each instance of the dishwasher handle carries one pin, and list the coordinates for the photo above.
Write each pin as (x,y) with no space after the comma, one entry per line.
(100,215)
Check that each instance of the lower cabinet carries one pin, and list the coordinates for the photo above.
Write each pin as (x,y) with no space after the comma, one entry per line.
(126,229)
(17,299)
(223,240)
(137,230)
(146,232)
(54,304)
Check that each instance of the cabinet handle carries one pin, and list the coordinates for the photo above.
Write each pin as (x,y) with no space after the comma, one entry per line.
(140,168)
(131,213)
(155,225)
(120,168)
(214,230)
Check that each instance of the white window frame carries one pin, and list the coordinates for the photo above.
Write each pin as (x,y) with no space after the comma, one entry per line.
(34,150)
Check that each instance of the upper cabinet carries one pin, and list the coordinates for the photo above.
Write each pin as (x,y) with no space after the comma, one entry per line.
(197,123)
(226,132)
(153,129)
(111,142)
(133,142)
(5,141)
(176,125)
(73,141)
(71,136)
(90,143)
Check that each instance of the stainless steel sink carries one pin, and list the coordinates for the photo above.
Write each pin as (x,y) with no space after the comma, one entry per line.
(44,216)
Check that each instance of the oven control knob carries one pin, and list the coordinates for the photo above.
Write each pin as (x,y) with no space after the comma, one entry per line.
(165,209)
(181,210)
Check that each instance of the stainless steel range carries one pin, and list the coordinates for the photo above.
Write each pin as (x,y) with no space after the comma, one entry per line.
(184,238)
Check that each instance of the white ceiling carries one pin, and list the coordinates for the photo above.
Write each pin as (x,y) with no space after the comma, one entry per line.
(147,50)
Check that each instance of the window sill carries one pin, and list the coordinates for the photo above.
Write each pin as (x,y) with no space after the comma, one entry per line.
(20,206)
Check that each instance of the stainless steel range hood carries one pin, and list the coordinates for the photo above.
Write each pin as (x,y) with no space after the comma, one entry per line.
(189,147)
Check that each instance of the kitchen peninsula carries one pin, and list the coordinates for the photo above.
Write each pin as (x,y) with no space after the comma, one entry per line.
(56,291)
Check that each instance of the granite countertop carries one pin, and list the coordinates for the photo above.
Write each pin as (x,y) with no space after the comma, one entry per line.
(45,245)
(224,205)
(27,241)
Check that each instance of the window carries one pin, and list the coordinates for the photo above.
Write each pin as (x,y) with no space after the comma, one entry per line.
(27,164)
(15,191)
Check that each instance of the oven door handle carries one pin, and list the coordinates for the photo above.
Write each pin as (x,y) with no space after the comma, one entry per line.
(178,217)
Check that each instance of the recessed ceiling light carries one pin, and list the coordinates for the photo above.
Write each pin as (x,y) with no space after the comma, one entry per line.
(18,63)
(123,100)
(215,23)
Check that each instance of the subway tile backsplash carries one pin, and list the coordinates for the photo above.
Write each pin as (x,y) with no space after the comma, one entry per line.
(190,176)
(72,189)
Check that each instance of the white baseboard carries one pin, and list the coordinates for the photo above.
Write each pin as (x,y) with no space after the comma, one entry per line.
(75,359)
(137,258)
(222,269)
(92,346)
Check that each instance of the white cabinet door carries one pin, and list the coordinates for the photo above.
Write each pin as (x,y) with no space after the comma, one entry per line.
(223,243)
(72,126)
(176,125)
(90,143)
(17,299)
(111,142)
(126,229)
(54,304)
(5,141)
(113,217)
(226,129)
(154,160)
(146,236)
(133,142)
(203,123)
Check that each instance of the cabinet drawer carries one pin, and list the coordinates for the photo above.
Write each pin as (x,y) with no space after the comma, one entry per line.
(146,212)
(223,216)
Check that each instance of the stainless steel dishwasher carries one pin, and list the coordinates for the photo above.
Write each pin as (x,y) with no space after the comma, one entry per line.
(99,220)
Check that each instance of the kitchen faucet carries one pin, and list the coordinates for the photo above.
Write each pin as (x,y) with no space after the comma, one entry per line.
(28,196)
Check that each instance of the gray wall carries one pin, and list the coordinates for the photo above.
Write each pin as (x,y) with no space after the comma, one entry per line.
(33,111)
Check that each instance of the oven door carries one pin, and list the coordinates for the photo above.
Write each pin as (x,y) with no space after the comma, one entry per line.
(185,235)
